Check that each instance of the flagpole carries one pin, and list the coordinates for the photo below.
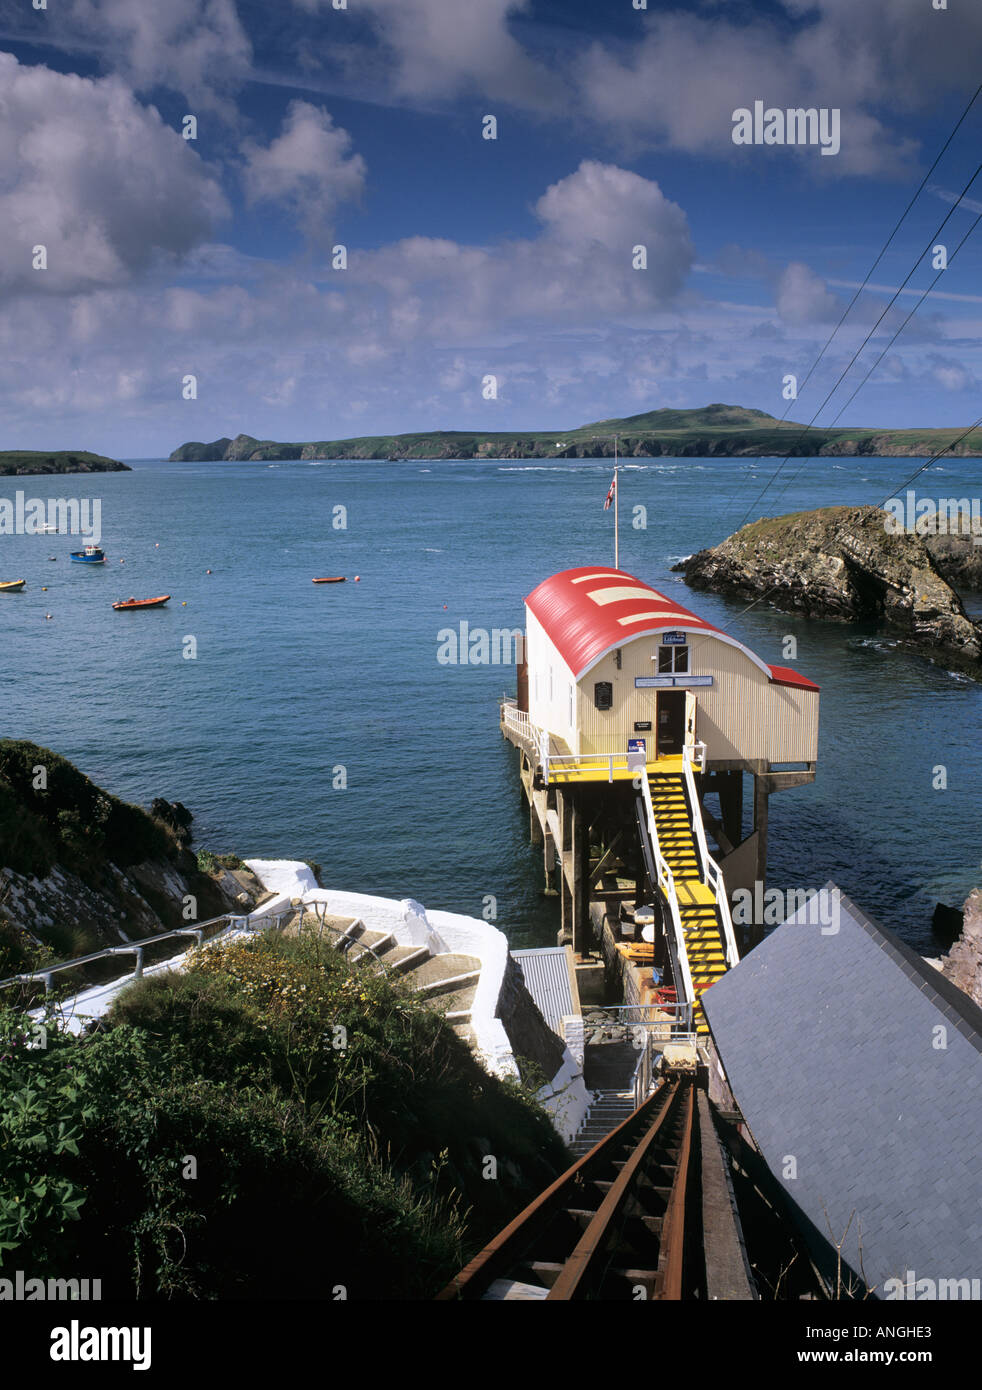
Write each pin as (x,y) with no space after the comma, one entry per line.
(616,501)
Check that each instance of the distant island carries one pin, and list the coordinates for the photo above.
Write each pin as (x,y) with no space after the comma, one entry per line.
(712,430)
(23,462)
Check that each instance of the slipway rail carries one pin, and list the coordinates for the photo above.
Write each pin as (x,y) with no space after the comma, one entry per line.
(613,1226)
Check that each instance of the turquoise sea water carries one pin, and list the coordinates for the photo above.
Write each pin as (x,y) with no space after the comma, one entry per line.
(293,680)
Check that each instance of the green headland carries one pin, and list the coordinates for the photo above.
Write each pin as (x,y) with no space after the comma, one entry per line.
(712,430)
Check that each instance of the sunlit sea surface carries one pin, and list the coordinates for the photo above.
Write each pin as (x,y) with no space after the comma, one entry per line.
(294,681)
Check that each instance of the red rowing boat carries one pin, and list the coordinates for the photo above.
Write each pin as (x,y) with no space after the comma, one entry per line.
(142,602)
(338,579)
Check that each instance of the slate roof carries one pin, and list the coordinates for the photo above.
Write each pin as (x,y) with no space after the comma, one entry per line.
(829,1040)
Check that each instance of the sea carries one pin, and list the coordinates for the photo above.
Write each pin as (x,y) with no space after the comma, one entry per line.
(317,722)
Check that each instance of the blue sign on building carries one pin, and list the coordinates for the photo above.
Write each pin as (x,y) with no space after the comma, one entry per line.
(674,639)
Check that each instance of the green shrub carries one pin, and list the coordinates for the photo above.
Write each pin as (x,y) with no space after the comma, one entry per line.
(274,1122)
(68,819)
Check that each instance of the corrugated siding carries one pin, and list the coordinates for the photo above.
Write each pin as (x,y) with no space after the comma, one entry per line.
(730,713)
(742,715)
(547,980)
(792,725)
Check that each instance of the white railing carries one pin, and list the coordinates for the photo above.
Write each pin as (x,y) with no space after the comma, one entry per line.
(556,763)
(698,828)
(666,881)
(715,881)
(517,720)
(696,753)
(712,874)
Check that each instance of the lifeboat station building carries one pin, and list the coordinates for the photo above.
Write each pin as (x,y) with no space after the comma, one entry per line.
(631,713)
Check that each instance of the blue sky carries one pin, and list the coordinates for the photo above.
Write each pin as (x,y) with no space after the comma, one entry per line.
(469,257)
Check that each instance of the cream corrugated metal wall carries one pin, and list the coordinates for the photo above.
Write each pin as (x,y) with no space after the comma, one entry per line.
(741,716)
(792,725)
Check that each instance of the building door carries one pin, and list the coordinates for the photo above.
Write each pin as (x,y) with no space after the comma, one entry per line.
(671,721)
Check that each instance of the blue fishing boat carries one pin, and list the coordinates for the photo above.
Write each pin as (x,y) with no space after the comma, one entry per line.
(91,555)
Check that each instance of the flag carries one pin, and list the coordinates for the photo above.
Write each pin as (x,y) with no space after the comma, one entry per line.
(610,492)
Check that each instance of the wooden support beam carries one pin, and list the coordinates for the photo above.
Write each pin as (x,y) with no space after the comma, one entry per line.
(608,855)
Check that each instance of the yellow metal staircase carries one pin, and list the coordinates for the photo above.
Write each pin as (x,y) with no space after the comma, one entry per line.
(701,926)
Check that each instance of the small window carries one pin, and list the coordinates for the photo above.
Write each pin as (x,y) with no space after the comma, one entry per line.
(673,660)
(603,694)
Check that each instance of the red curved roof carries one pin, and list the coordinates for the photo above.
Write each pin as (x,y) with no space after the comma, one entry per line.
(784,675)
(589,611)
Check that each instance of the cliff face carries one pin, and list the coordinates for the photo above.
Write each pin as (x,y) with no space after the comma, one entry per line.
(963,964)
(841,564)
(80,869)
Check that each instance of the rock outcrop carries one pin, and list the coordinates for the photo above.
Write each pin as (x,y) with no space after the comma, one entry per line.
(963,963)
(843,564)
(958,559)
(80,869)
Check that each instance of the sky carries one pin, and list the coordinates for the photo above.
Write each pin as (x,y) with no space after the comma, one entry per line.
(363,124)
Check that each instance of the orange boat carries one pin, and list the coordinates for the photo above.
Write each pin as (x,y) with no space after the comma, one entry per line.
(338,579)
(142,602)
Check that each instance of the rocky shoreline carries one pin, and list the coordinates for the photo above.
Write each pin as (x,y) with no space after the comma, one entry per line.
(963,963)
(843,564)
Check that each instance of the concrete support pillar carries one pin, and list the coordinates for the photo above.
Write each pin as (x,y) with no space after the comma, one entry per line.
(548,863)
(564,809)
(581,882)
(729,785)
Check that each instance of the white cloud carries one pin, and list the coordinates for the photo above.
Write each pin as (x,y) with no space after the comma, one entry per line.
(679,86)
(402,339)
(95,178)
(198,47)
(309,165)
(803,297)
(442,48)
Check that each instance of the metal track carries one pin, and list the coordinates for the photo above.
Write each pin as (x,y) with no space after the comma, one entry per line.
(611,1227)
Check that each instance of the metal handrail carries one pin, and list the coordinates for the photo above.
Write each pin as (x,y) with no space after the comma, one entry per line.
(136,948)
(680,1007)
(343,936)
(666,881)
(697,825)
(642,1072)
(712,874)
